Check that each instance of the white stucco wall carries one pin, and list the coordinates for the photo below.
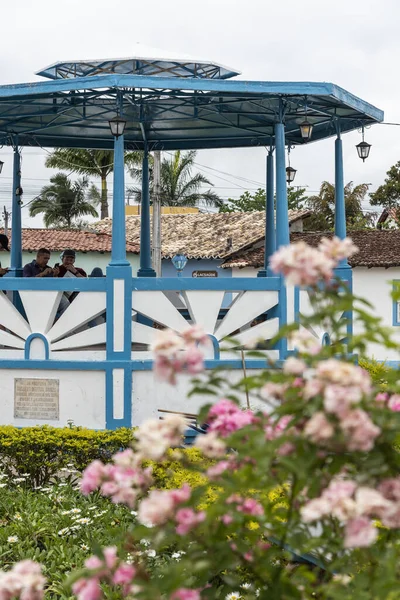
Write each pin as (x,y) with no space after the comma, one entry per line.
(375,285)
(81,397)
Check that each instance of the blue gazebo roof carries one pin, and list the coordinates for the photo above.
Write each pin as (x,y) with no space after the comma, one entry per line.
(171,112)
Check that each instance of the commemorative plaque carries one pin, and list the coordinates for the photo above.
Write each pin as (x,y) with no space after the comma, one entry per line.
(37,399)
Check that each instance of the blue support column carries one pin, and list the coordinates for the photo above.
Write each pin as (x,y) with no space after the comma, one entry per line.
(146,269)
(270,241)
(282,224)
(16,226)
(118,248)
(118,373)
(344,270)
(340,206)
(282,213)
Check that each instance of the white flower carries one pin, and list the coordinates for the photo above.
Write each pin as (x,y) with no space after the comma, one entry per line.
(75,511)
(84,547)
(19,480)
(64,531)
(151,553)
(134,513)
(65,512)
(12,539)
(92,508)
(176,556)
(233,596)
(84,521)
(17,517)
(62,484)
(2,485)
(246,586)
(145,542)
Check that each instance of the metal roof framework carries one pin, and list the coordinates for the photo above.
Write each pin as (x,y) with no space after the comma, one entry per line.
(170,113)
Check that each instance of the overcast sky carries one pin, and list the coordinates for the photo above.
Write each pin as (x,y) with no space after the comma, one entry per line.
(353,43)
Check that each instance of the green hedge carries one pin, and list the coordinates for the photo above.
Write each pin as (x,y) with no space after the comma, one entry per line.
(41,452)
(377,370)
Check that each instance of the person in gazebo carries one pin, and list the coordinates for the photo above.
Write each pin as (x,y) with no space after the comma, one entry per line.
(3,246)
(68,269)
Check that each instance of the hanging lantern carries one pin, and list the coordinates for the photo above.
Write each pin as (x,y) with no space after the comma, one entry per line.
(179,261)
(306,130)
(290,174)
(117,126)
(363,148)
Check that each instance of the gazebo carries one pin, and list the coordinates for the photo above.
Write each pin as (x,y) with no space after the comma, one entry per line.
(55,371)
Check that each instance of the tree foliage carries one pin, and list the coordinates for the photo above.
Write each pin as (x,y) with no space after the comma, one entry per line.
(388,194)
(179,186)
(63,201)
(322,207)
(90,163)
(251,202)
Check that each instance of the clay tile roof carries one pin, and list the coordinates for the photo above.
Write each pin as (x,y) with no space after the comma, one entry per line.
(76,239)
(376,249)
(199,235)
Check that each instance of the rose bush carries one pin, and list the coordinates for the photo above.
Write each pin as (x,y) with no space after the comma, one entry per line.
(325,438)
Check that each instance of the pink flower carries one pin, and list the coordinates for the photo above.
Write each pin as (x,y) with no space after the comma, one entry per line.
(371,502)
(87,589)
(91,477)
(194,360)
(157,508)
(304,342)
(226,417)
(155,436)
(337,249)
(359,533)
(302,265)
(382,397)
(185,594)
(276,429)
(216,470)
(294,366)
(167,343)
(211,445)
(344,374)
(273,391)
(124,574)
(187,519)
(338,399)
(24,581)
(359,430)
(394,403)
(315,509)
(195,335)
(251,507)
(182,494)
(318,428)
(227,519)
(390,488)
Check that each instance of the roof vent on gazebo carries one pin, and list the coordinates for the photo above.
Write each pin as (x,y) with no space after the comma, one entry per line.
(146,61)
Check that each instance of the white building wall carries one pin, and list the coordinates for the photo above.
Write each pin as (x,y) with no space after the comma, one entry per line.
(81,397)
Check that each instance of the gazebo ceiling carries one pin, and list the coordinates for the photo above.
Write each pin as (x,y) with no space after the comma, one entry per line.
(173,112)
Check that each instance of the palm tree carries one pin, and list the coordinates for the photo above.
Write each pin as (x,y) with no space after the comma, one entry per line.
(178,186)
(98,163)
(323,207)
(63,201)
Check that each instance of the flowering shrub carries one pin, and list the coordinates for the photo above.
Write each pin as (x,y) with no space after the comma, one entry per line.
(324,437)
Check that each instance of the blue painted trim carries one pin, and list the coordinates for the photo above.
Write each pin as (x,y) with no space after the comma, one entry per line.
(126,421)
(393,364)
(326,339)
(133,365)
(234,284)
(174,83)
(296,303)
(215,344)
(95,284)
(395,320)
(28,342)
(282,213)
(146,269)
(123,273)
(270,239)
(340,206)
(282,309)
(118,243)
